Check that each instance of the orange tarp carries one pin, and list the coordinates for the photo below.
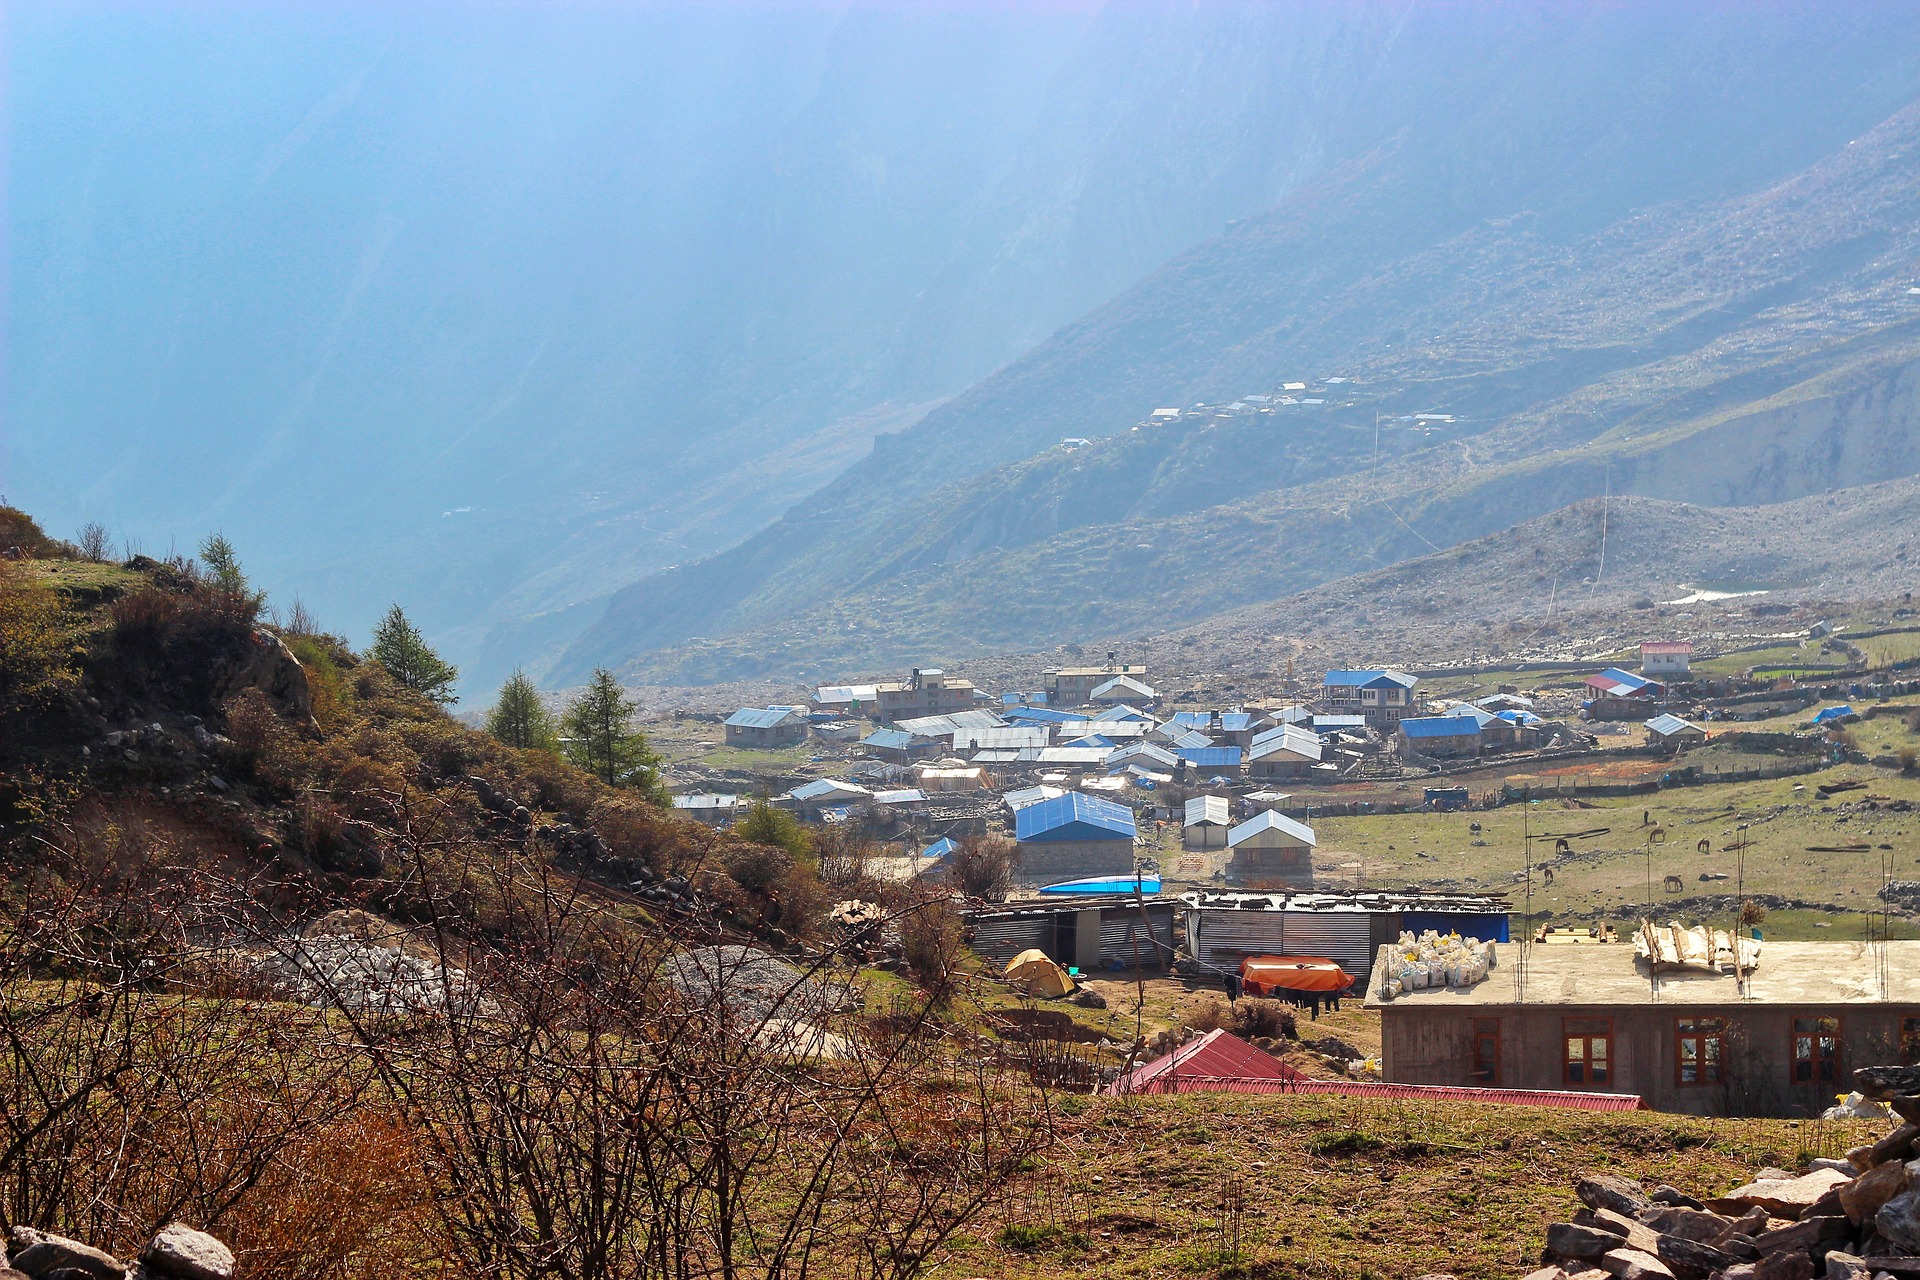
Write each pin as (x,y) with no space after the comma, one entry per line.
(1264,975)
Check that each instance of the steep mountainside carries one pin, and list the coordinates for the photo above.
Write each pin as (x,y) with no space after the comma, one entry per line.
(1738,350)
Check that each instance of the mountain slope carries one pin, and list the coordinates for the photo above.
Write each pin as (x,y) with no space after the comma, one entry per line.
(1572,352)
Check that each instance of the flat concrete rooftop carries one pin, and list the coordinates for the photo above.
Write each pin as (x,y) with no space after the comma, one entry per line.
(1789,973)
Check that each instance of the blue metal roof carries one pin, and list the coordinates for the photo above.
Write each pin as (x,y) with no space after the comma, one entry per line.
(1211,757)
(1074,816)
(940,848)
(1230,721)
(758,717)
(1440,727)
(1044,715)
(888,739)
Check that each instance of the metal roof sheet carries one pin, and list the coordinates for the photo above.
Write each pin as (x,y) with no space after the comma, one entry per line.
(759,717)
(889,739)
(828,787)
(1214,811)
(1372,677)
(846,693)
(1440,727)
(1269,820)
(1126,687)
(1289,739)
(1182,1082)
(1668,723)
(1075,816)
(1210,757)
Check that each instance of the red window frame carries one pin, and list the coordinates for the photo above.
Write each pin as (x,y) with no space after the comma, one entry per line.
(1586,1051)
(1699,1051)
(1815,1047)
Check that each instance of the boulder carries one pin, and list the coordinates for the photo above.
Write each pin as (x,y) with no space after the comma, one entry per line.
(1861,1198)
(1784,1266)
(1570,1240)
(1782,1197)
(1632,1264)
(51,1253)
(178,1250)
(1897,1145)
(1610,1191)
(1637,1235)
(1899,1220)
(1692,1259)
(1885,1083)
(1844,1266)
(1673,1196)
(1809,1233)
(1689,1224)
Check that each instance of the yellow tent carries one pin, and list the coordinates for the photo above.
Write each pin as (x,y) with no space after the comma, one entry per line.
(1039,975)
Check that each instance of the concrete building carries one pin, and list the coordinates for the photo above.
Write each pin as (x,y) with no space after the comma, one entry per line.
(1621,695)
(1781,1041)
(1124,691)
(1382,695)
(1072,837)
(852,699)
(1207,821)
(708,808)
(1074,686)
(1674,734)
(765,728)
(929,691)
(1271,850)
(1665,659)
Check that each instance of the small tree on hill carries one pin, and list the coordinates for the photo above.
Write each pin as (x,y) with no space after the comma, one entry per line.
(404,652)
(520,719)
(224,573)
(601,739)
(93,541)
(765,824)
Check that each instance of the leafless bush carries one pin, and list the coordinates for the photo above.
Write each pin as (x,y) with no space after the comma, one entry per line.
(983,867)
(842,858)
(93,542)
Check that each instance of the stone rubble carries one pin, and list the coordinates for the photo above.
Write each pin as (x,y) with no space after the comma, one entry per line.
(176,1252)
(1852,1219)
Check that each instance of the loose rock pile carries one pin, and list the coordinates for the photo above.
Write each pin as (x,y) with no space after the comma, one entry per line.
(177,1252)
(1851,1219)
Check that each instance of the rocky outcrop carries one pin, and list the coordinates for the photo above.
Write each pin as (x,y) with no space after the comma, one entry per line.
(268,665)
(1852,1219)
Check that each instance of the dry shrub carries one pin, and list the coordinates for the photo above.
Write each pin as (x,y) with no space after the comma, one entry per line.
(36,640)
(930,941)
(842,854)
(263,744)
(983,867)
(347,1202)
(1246,1018)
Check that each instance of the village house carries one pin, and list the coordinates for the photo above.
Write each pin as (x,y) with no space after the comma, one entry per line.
(929,691)
(1665,659)
(1670,732)
(814,799)
(1207,821)
(1072,837)
(1780,1040)
(1271,850)
(1123,690)
(1224,728)
(765,728)
(1286,752)
(898,746)
(708,809)
(1440,737)
(1621,695)
(846,699)
(1074,686)
(1383,696)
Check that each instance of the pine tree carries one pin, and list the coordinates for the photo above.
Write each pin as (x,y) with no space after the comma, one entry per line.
(224,572)
(519,718)
(602,740)
(404,652)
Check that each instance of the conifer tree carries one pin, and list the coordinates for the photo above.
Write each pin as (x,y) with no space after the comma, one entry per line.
(601,739)
(223,571)
(404,652)
(520,719)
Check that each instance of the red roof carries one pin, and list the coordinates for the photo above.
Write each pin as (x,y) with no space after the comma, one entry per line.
(1298,1084)
(1219,1054)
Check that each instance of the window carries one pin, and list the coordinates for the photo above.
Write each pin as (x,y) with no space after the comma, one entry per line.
(1486,1052)
(1700,1045)
(1816,1050)
(1589,1050)
(1910,1042)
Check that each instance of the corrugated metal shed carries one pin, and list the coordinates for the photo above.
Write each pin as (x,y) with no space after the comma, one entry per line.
(1429,727)
(1271,821)
(1212,811)
(1287,740)
(1667,723)
(759,717)
(829,789)
(1075,816)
